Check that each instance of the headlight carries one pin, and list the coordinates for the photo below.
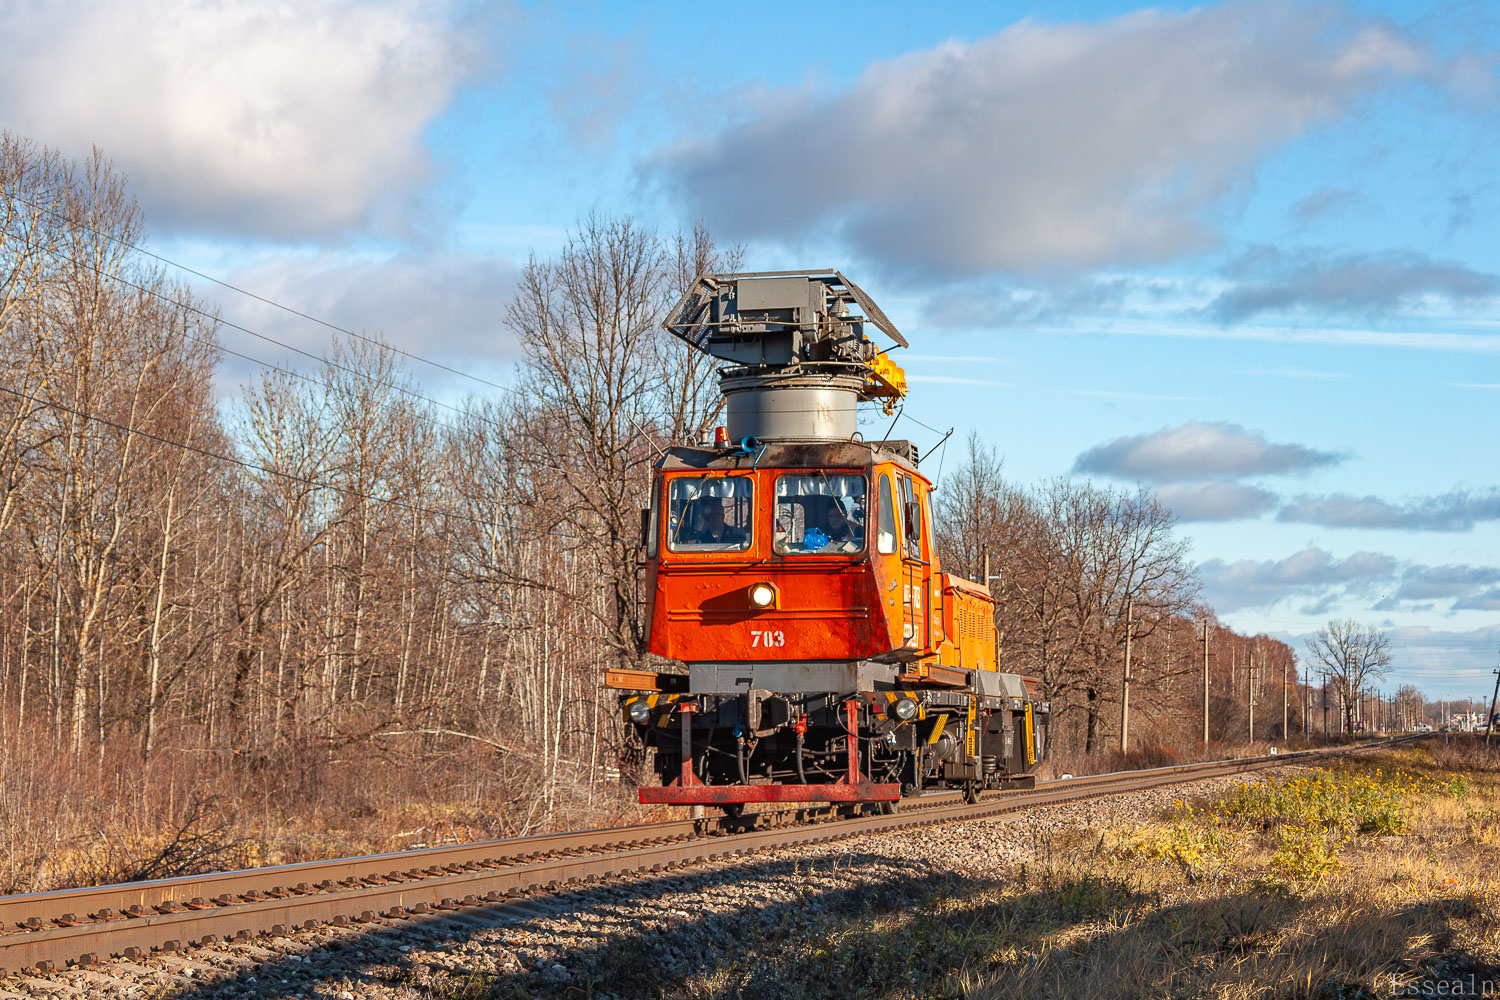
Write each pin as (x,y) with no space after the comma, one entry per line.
(639,711)
(762,595)
(905,709)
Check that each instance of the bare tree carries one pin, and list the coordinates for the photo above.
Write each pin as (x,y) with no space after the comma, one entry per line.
(1068,561)
(600,372)
(587,322)
(1411,704)
(1350,655)
(334,573)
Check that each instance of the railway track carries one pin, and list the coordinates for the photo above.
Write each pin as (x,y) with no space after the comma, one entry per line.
(45,931)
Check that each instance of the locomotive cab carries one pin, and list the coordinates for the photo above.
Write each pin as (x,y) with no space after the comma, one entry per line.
(807,553)
(828,657)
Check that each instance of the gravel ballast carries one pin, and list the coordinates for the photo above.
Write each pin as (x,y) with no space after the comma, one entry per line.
(639,936)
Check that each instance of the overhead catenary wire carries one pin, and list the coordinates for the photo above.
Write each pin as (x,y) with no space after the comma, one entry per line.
(901,412)
(257,467)
(293,373)
(311,379)
(925,426)
(260,298)
(214,318)
(382,345)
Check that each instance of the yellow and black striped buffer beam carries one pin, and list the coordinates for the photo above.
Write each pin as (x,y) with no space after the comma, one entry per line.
(1030,737)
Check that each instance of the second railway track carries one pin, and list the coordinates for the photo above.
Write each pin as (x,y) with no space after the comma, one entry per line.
(45,931)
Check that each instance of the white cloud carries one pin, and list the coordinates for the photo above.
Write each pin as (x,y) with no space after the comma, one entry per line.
(1375,579)
(1461,581)
(1325,201)
(1270,280)
(1044,147)
(1489,600)
(447,306)
(1248,583)
(1198,450)
(279,120)
(1215,501)
(1456,510)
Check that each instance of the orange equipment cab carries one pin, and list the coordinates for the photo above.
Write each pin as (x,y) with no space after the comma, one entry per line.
(817,552)
(794,575)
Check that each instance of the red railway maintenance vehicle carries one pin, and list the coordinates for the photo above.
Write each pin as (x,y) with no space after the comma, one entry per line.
(792,567)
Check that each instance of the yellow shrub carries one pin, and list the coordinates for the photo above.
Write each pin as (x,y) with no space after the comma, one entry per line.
(1305,855)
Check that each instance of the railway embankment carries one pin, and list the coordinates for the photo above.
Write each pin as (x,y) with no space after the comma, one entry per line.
(1370,876)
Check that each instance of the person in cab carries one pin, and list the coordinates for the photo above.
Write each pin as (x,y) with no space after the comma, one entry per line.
(836,523)
(713,529)
(836,530)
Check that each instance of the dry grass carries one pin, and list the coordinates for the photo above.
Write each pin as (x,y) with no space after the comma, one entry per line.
(66,821)
(1077,762)
(1380,877)
(1366,880)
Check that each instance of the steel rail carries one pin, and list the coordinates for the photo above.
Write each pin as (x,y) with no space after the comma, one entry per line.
(31,911)
(302,878)
(44,930)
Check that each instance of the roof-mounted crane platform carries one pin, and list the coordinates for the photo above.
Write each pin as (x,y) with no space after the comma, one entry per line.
(790,334)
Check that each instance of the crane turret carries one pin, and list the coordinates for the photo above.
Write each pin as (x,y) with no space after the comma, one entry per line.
(799,358)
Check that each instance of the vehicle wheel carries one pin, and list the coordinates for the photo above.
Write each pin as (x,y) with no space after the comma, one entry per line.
(971,792)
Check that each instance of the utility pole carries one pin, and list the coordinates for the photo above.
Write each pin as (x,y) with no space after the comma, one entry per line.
(1306,698)
(1284,665)
(1325,709)
(1250,689)
(1353,703)
(993,606)
(1204,640)
(1130,624)
(1489,723)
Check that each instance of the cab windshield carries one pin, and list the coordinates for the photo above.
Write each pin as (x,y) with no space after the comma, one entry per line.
(710,513)
(820,514)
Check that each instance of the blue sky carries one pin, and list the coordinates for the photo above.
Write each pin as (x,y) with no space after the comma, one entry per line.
(1243,252)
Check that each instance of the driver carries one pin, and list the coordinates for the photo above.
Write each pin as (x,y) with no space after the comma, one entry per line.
(836,523)
(836,529)
(712,530)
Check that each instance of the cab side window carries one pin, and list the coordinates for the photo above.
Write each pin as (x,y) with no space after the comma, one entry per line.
(912,517)
(653,519)
(885,540)
(927,516)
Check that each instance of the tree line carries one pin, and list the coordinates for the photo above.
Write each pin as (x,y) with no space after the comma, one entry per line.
(330,562)
(1075,569)
(329,558)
